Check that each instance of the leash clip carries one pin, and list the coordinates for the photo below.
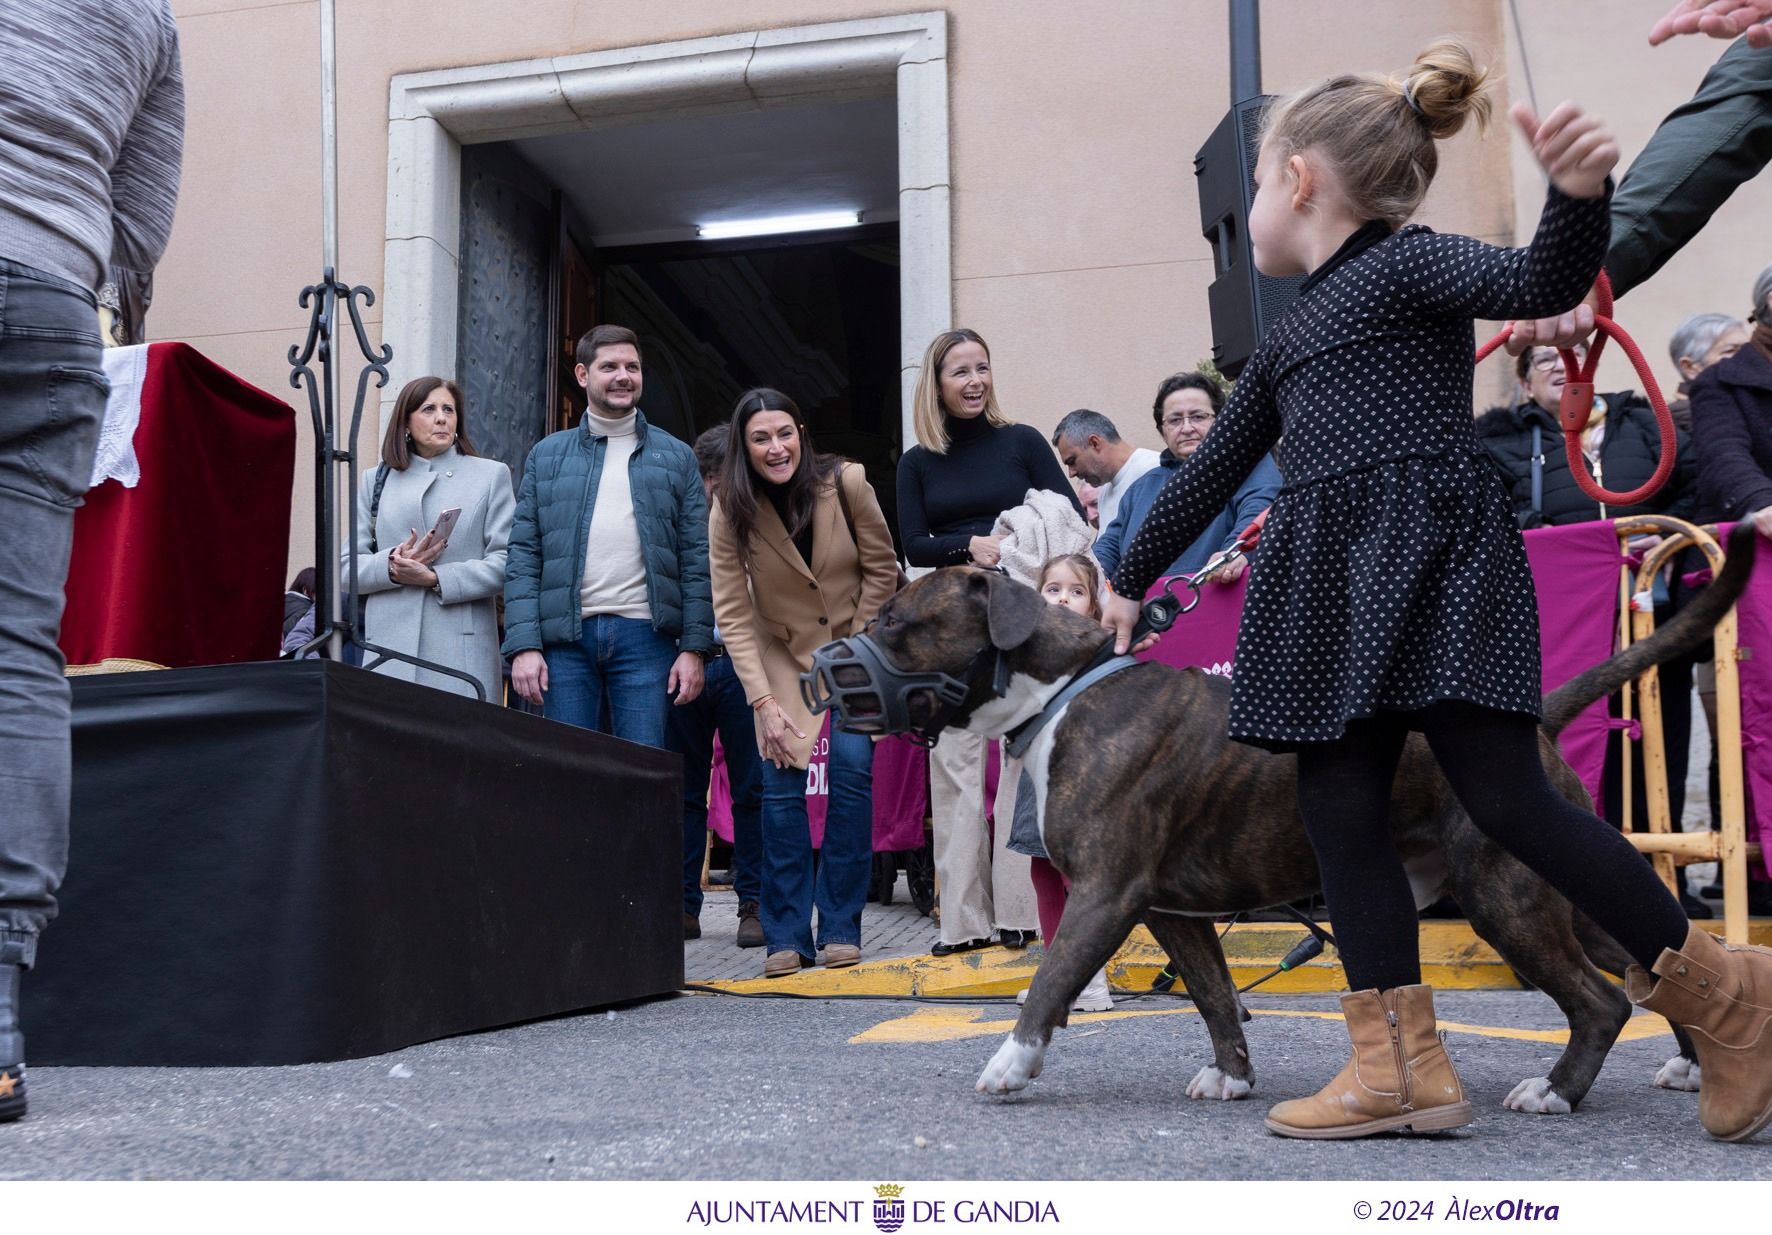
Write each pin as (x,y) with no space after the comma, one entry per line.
(1576,404)
(1159,613)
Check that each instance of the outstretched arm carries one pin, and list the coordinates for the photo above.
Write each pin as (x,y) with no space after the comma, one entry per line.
(1456,275)
(1706,148)
(1720,19)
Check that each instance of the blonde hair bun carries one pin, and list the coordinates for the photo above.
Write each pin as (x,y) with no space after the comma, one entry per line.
(1445,86)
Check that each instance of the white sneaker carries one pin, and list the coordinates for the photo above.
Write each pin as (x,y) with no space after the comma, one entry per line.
(1094,998)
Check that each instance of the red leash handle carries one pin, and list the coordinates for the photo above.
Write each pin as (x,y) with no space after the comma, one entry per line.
(1250,536)
(1578,400)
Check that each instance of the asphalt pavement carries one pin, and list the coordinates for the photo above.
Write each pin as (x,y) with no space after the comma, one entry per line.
(723,1087)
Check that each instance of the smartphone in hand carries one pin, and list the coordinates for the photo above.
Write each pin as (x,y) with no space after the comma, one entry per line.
(445,526)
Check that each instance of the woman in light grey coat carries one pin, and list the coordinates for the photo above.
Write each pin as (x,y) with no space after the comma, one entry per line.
(430,596)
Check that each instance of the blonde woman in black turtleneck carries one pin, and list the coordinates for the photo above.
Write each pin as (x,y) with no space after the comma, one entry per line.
(970,464)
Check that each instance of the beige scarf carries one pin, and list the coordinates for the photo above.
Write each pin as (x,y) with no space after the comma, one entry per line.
(1593,434)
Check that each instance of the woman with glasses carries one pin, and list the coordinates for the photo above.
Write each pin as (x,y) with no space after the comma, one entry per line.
(430,595)
(1185,409)
(1621,446)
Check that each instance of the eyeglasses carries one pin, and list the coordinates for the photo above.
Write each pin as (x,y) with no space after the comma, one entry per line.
(1189,418)
(1544,362)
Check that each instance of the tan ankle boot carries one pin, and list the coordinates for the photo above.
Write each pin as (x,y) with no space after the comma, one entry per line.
(1399,1076)
(1722,995)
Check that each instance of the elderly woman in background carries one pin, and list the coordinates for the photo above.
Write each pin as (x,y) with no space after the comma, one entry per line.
(970,464)
(1697,344)
(1732,423)
(800,555)
(1732,437)
(431,591)
(1185,409)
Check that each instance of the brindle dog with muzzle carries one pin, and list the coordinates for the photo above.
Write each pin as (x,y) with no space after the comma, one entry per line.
(1155,815)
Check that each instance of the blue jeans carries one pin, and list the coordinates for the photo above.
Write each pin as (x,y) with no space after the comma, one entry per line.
(690,729)
(52,401)
(612,680)
(840,887)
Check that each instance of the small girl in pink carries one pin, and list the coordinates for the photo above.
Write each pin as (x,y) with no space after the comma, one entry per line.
(1074,581)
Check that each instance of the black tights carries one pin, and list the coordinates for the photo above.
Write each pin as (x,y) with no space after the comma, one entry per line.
(1491,759)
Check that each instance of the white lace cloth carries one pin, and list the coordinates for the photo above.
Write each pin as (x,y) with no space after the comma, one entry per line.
(127,369)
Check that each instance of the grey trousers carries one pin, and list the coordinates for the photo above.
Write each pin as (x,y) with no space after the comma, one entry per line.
(52,401)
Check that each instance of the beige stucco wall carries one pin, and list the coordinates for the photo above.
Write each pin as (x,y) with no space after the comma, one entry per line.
(1076,246)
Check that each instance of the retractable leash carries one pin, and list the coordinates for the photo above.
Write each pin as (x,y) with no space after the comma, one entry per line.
(1158,613)
(1577,402)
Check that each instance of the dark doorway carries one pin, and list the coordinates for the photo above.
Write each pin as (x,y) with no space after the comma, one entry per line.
(815,316)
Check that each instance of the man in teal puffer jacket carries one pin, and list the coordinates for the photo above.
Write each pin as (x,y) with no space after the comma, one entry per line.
(608,609)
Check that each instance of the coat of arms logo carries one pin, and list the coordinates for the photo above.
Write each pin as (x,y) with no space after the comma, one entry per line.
(888,1207)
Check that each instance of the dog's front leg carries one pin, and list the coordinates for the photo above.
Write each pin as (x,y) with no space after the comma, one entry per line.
(1095,924)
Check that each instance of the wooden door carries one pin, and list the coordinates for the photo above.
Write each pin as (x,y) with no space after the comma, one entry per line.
(574,302)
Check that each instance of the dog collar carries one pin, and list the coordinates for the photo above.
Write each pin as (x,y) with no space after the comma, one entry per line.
(1018,739)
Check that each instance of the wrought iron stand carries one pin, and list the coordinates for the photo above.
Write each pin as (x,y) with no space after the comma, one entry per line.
(336,601)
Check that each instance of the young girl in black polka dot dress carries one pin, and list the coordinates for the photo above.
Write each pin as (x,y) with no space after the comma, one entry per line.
(1393,593)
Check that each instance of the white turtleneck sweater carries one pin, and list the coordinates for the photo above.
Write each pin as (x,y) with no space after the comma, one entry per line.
(614,580)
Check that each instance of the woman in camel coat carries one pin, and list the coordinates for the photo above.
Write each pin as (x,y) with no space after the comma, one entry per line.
(800,555)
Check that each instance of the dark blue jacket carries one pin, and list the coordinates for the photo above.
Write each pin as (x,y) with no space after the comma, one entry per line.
(546,560)
(1254,496)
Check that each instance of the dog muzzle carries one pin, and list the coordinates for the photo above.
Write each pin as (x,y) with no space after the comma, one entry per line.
(856,680)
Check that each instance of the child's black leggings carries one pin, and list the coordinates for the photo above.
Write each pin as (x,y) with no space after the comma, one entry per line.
(1491,759)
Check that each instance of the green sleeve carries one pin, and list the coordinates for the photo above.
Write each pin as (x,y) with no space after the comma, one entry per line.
(1719,139)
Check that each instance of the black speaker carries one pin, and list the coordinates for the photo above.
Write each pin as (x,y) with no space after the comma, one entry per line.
(1244,303)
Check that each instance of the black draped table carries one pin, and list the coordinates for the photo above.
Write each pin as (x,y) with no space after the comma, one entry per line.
(283,863)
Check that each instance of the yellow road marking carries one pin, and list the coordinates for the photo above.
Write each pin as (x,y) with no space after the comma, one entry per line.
(953,1024)
(1452,958)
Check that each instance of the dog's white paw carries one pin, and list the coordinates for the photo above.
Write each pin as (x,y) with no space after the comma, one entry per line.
(1536,1097)
(1011,1068)
(1679,1073)
(1210,1082)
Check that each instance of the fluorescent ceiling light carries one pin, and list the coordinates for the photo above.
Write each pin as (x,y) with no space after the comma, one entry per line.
(778,224)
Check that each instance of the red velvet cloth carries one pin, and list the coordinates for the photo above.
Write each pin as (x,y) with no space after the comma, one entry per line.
(188,567)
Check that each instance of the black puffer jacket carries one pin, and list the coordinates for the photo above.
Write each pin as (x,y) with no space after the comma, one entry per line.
(1628,454)
(1732,410)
